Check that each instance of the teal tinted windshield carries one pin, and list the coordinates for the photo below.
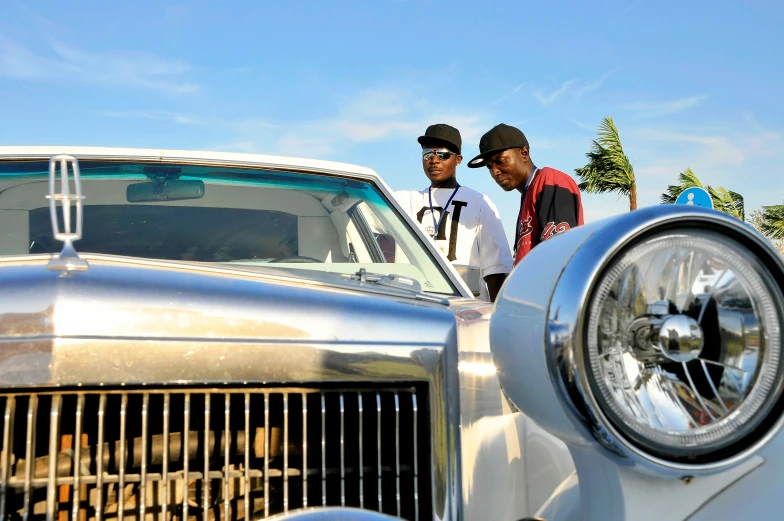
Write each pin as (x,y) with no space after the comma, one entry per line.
(239,216)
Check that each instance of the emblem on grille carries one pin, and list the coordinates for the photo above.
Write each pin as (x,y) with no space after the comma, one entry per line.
(68,260)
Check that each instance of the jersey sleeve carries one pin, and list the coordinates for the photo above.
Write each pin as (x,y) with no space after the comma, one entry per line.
(494,254)
(557,210)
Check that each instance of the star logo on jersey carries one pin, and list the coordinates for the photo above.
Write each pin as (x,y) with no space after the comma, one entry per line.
(525,227)
(554,229)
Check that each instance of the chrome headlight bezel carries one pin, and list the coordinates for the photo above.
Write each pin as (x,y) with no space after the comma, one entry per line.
(567,329)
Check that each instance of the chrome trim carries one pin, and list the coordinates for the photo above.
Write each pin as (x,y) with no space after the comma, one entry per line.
(416,460)
(378,430)
(286,451)
(142,501)
(361,464)
(304,450)
(226,453)
(8,441)
(342,453)
(186,415)
(32,416)
(568,308)
(323,451)
(247,455)
(266,453)
(54,437)
(68,259)
(99,458)
(397,451)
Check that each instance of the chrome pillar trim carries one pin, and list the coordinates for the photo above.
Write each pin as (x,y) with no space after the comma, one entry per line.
(54,449)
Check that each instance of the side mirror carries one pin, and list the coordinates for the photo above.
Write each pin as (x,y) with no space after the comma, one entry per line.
(471,276)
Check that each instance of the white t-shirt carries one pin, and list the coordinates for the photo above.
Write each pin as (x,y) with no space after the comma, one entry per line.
(471,232)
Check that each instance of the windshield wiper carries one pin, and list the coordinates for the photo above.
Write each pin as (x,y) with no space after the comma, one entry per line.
(396,282)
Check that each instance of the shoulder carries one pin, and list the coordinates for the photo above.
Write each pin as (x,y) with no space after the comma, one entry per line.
(552,176)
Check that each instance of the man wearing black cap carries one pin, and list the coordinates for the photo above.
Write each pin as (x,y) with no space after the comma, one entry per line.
(464,223)
(550,201)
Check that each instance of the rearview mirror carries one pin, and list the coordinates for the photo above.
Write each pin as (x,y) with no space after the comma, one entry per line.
(165,190)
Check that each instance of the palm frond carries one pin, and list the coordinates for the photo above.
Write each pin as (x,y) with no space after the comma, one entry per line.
(727,201)
(687,179)
(772,222)
(608,168)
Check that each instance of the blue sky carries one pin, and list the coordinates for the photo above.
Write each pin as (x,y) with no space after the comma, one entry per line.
(695,84)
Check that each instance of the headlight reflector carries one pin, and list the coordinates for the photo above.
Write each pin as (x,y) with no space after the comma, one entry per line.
(683,345)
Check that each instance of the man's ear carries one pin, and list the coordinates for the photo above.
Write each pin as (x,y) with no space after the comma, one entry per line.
(459,159)
(524,152)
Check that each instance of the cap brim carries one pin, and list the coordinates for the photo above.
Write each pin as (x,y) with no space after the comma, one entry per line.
(479,161)
(429,139)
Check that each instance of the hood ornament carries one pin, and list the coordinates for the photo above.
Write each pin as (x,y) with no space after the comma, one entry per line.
(69,260)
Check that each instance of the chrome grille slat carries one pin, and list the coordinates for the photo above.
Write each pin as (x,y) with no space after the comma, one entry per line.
(142,500)
(32,416)
(397,452)
(8,441)
(205,486)
(304,450)
(342,453)
(99,458)
(361,462)
(266,454)
(378,430)
(226,452)
(247,453)
(165,473)
(54,437)
(159,462)
(285,452)
(186,422)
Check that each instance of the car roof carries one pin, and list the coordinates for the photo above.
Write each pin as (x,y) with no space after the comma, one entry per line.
(153,154)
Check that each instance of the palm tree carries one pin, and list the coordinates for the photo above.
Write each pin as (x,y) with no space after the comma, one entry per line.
(687,180)
(772,222)
(769,220)
(724,200)
(728,202)
(608,168)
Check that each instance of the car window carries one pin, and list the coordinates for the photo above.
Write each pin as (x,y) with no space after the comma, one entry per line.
(239,216)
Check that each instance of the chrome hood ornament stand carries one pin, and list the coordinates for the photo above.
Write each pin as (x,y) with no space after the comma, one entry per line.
(69,260)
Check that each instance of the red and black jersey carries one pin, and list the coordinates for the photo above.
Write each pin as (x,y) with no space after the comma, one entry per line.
(549,206)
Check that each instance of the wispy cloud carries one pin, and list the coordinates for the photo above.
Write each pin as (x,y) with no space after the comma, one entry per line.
(593,85)
(546,99)
(118,68)
(372,115)
(173,117)
(664,108)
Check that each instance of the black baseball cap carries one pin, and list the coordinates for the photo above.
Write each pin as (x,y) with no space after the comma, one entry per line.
(442,133)
(499,138)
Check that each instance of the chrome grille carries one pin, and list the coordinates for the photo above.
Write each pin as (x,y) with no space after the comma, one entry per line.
(213,454)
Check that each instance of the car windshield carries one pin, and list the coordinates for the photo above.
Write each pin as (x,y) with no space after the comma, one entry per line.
(319,225)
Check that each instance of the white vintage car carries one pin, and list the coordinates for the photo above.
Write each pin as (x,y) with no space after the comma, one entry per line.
(198,335)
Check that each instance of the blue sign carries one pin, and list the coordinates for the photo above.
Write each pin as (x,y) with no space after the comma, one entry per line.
(695,196)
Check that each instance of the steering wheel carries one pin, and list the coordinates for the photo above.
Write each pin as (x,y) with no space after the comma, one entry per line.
(296,259)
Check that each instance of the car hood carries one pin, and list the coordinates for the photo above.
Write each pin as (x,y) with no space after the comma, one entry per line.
(158,321)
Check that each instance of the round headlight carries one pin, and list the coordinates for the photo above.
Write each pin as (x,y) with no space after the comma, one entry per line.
(683,349)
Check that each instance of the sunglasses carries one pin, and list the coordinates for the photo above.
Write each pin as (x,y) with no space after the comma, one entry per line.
(442,153)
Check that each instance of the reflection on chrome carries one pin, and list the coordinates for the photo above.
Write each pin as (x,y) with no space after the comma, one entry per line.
(477,368)
(683,343)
